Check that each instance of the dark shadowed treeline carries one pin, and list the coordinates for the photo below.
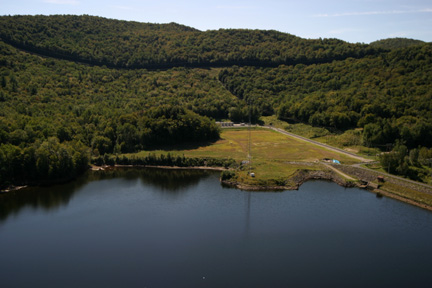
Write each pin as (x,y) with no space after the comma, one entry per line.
(163,160)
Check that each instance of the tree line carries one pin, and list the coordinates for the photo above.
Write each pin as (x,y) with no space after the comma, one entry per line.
(45,161)
(151,159)
(123,44)
(56,115)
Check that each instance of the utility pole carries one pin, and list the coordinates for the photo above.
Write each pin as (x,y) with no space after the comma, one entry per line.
(249,141)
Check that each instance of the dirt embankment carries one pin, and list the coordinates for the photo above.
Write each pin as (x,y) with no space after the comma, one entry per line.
(294,182)
(369,176)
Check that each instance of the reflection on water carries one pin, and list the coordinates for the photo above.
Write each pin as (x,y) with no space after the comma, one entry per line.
(52,197)
(45,198)
(169,180)
(161,228)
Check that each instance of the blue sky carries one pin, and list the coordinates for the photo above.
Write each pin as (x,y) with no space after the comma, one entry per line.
(350,20)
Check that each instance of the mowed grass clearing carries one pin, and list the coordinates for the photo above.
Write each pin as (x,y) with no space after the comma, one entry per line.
(274,156)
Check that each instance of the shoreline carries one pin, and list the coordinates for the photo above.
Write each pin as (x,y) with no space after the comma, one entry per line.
(12,189)
(298,179)
(391,195)
(107,167)
(307,175)
(294,181)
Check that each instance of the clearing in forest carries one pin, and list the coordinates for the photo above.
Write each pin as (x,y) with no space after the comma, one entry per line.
(274,156)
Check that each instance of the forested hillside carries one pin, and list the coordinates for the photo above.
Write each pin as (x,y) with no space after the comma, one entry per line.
(124,44)
(396,43)
(390,95)
(57,112)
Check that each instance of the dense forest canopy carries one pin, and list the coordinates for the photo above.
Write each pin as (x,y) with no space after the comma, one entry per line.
(56,114)
(389,95)
(125,44)
(64,108)
(396,43)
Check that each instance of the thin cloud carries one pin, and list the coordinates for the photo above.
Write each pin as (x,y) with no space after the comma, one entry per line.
(62,2)
(368,13)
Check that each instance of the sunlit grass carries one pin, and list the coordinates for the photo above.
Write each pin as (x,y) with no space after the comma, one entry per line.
(266,145)
(274,156)
(350,140)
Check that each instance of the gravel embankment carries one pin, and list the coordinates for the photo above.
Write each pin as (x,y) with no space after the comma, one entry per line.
(370,176)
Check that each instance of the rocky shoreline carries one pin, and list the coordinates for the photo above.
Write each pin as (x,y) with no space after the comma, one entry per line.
(297,180)
(303,176)
(293,183)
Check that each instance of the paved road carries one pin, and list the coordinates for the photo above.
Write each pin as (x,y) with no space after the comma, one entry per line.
(358,165)
(349,154)
(352,155)
(364,160)
(395,177)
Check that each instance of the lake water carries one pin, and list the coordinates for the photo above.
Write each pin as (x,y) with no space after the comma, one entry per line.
(158,228)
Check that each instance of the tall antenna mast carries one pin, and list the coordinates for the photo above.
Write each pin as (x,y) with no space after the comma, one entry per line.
(249,141)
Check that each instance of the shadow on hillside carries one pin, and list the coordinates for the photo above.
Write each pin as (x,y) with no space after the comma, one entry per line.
(181,146)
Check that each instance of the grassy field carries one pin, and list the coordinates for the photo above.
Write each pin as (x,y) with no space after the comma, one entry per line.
(350,140)
(274,156)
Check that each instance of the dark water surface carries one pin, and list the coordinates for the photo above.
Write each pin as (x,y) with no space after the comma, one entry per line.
(156,228)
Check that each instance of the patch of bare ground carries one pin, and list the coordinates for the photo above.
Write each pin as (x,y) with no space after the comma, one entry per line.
(294,182)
